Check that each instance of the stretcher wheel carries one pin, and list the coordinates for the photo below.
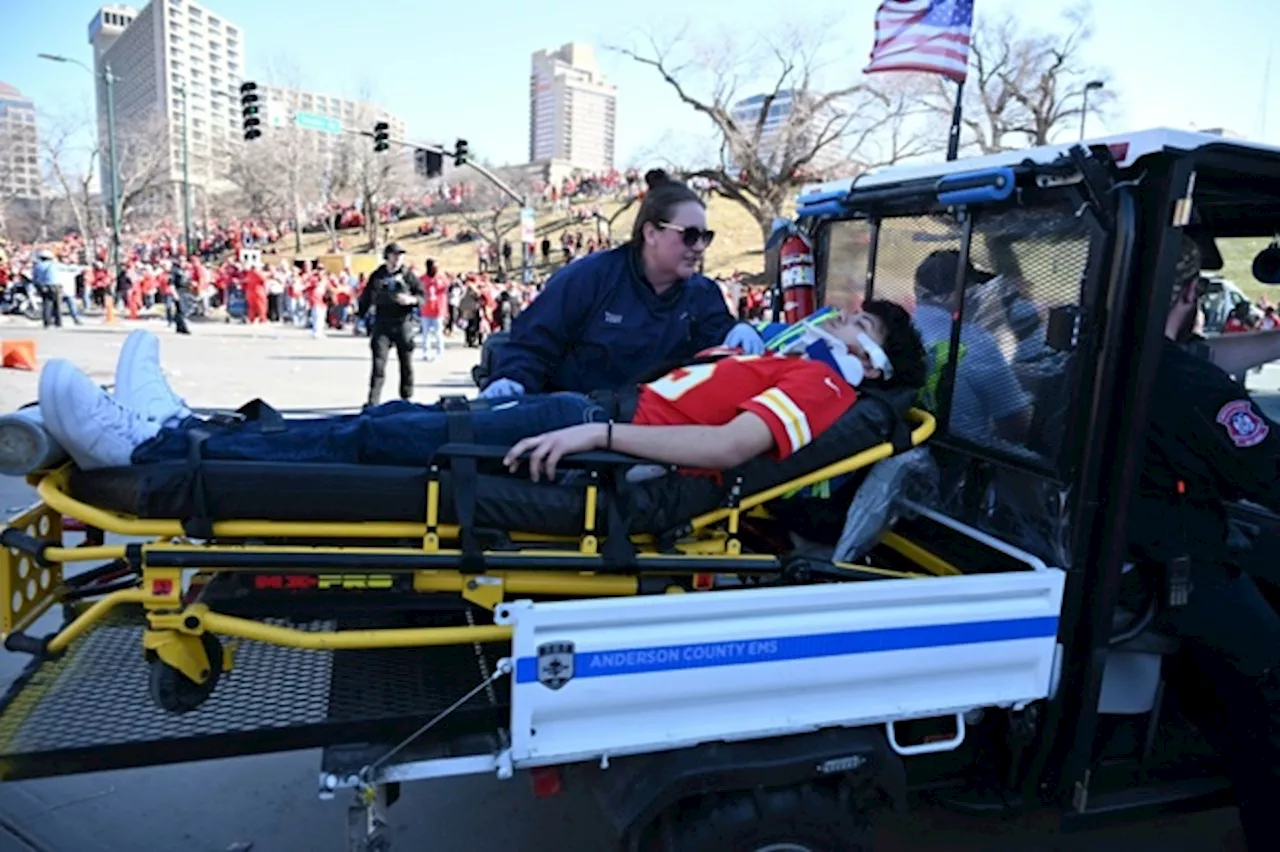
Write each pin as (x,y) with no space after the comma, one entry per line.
(174,692)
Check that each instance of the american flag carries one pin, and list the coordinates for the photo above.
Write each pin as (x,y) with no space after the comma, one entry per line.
(923,35)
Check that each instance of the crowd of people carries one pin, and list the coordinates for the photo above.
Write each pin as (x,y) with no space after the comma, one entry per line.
(235,268)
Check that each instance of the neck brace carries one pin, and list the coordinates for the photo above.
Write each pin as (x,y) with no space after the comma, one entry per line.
(838,359)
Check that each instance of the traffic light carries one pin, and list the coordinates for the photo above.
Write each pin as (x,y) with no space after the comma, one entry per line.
(460,152)
(428,164)
(249,108)
(380,136)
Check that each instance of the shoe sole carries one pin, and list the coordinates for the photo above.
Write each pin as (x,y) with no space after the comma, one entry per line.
(135,343)
(52,379)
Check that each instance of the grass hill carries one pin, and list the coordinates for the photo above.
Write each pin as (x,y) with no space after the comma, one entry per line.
(737,245)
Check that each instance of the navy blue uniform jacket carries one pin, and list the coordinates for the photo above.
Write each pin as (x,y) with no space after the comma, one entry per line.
(598,325)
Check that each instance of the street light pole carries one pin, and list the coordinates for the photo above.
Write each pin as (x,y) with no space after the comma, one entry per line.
(110,80)
(1084,108)
(186,182)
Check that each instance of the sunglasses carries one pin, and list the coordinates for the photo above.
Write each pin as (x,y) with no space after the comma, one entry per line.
(690,235)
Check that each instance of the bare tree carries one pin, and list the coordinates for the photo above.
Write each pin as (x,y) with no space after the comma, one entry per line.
(1025,88)
(337,180)
(493,214)
(71,172)
(252,172)
(792,129)
(7,170)
(143,167)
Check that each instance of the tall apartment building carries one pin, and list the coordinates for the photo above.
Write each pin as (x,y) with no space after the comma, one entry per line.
(177,61)
(572,110)
(19,159)
(780,128)
(279,105)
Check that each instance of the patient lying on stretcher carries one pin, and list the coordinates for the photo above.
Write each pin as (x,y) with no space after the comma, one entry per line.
(710,415)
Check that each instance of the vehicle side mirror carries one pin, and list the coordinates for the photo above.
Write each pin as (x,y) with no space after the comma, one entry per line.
(1266,266)
(1060,331)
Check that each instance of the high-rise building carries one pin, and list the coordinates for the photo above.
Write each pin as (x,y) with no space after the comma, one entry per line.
(783,128)
(176,62)
(572,110)
(280,104)
(19,160)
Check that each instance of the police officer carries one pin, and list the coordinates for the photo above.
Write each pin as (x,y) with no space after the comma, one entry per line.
(394,293)
(1209,444)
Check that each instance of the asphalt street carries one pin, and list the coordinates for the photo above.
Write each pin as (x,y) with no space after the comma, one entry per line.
(269,802)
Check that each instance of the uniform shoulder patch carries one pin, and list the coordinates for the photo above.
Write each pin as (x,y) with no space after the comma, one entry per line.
(1243,425)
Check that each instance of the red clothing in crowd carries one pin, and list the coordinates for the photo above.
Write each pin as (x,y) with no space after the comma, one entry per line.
(433,306)
(255,296)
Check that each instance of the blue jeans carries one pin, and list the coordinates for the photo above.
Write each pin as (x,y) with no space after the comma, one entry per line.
(395,433)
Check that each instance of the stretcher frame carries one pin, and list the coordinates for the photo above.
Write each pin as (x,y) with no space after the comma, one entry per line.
(32,557)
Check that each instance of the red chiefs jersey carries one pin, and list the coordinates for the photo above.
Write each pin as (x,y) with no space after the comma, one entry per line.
(797,398)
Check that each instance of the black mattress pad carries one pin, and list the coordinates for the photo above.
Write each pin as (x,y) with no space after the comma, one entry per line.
(292,491)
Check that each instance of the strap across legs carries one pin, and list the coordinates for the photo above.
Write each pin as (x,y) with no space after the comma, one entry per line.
(466,480)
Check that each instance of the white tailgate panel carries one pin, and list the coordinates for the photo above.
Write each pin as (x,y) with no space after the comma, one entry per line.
(666,671)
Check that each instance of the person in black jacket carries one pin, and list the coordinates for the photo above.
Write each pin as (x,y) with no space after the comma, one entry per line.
(394,293)
(1208,444)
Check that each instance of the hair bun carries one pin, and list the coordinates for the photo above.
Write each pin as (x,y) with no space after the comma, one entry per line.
(655,177)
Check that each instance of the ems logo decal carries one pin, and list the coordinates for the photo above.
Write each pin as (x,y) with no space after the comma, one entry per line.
(555,664)
(1245,427)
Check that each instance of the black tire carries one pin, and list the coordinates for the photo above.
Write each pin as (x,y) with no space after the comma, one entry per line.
(792,819)
(174,692)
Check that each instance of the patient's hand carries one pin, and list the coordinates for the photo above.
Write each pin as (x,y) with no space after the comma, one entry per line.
(546,450)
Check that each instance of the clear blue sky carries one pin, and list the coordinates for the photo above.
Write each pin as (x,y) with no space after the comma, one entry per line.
(462,69)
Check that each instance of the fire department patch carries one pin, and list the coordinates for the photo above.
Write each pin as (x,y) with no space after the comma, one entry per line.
(1245,427)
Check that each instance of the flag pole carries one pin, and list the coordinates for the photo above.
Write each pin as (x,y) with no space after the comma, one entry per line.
(953,139)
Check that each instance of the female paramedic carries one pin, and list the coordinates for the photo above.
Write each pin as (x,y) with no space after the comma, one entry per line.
(615,318)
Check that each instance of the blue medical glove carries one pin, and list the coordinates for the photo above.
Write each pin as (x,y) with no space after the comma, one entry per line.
(502,387)
(744,336)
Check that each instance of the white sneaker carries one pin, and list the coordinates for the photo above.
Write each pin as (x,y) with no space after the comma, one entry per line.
(140,382)
(93,426)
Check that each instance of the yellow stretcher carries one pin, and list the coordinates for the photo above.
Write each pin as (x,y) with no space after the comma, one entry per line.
(189,591)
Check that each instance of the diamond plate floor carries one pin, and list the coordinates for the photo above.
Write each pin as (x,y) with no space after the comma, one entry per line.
(91,710)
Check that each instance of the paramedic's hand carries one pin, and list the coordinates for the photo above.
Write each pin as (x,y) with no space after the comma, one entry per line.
(744,336)
(502,387)
(546,450)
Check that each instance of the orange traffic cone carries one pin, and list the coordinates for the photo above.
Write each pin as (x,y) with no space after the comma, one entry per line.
(18,354)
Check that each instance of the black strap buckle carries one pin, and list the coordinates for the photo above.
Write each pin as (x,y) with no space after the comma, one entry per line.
(466,478)
(1177,581)
(200,524)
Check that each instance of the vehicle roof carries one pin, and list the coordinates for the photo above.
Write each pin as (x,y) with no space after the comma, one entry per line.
(1127,148)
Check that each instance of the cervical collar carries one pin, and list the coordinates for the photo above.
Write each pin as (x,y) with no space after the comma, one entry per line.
(838,359)
(829,349)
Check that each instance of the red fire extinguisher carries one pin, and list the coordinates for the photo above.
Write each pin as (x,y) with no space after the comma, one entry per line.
(795,269)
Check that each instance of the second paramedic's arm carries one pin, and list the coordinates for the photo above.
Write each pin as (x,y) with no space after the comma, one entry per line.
(1239,353)
(702,447)
(1006,404)
(541,334)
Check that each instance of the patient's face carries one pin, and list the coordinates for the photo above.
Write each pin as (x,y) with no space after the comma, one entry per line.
(846,328)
